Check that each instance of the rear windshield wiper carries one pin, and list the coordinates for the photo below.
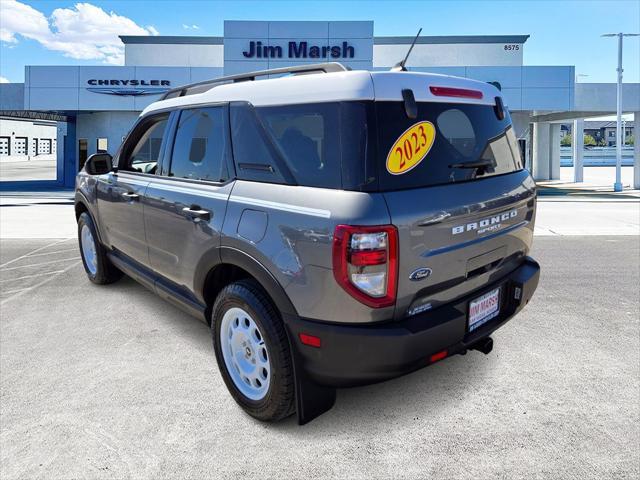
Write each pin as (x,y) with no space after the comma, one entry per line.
(478,164)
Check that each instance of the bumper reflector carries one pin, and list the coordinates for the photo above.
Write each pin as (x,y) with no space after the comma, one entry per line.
(310,340)
(438,356)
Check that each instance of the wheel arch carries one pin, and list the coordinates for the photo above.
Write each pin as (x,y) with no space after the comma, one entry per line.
(235,265)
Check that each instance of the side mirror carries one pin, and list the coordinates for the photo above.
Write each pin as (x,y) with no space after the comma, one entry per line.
(98,164)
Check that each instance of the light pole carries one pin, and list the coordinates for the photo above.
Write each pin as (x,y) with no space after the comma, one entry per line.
(617,187)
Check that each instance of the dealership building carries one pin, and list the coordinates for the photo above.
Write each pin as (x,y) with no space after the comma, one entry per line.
(93,107)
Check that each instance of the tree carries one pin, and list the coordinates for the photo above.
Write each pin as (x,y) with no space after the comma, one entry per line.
(589,141)
(630,140)
(566,140)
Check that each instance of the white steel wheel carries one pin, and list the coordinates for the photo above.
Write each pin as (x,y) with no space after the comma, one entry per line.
(245,353)
(89,249)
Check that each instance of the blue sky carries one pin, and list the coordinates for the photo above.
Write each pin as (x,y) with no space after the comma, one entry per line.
(562,32)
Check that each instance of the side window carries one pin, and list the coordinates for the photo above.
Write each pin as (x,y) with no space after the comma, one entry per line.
(201,145)
(254,157)
(144,154)
(309,137)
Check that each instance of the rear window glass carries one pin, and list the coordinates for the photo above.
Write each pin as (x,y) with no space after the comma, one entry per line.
(463,143)
(308,137)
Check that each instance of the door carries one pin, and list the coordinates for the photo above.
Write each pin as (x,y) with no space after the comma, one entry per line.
(186,202)
(4,146)
(82,153)
(121,195)
(20,145)
(44,146)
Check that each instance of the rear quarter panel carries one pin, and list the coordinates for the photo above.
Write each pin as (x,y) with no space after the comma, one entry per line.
(296,242)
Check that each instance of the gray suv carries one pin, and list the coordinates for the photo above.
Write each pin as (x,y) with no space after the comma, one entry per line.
(334,227)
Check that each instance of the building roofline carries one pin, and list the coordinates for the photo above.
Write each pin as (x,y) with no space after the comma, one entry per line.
(449,39)
(445,39)
(171,39)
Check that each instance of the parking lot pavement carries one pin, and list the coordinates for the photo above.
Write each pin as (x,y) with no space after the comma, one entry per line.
(112,382)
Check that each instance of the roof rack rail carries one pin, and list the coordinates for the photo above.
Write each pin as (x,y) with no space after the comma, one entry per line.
(206,85)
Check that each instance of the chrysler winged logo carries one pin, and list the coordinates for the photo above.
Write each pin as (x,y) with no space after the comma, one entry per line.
(131,87)
(489,224)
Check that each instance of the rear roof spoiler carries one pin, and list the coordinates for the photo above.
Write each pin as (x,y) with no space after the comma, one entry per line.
(200,87)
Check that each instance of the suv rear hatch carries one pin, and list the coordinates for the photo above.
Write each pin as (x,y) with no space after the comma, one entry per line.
(453,179)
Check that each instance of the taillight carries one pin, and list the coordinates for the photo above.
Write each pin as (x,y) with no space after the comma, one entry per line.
(456,92)
(365,263)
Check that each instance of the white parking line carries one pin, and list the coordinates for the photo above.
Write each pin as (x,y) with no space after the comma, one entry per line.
(53,253)
(30,276)
(39,264)
(34,251)
(38,285)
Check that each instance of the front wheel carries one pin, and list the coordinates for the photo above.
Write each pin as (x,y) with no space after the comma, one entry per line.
(253,352)
(99,268)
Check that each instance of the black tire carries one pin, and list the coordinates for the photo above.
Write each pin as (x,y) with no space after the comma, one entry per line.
(105,272)
(279,401)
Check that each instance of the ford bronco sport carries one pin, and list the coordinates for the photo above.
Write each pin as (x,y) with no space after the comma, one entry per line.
(334,227)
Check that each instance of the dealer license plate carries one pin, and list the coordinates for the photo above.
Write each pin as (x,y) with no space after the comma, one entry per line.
(484,308)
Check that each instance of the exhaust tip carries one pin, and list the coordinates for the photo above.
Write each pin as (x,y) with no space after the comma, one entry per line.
(485,345)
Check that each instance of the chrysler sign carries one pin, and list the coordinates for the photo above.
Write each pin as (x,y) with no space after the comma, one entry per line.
(130,87)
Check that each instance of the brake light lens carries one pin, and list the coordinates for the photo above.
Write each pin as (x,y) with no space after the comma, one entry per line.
(455,92)
(365,263)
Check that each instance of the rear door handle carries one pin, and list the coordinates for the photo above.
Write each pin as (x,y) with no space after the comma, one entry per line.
(131,196)
(197,213)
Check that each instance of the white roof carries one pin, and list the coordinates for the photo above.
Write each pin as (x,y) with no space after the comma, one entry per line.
(333,87)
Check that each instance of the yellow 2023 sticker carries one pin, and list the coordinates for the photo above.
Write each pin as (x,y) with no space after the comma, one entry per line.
(411,148)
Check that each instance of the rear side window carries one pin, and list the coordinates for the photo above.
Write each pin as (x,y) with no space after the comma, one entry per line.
(308,137)
(201,145)
(465,142)
(325,145)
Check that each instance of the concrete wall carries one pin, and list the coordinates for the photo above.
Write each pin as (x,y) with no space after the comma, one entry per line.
(239,34)
(68,88)
(11,96)
(447,55)
(180,55)
(601,97)
(110,125)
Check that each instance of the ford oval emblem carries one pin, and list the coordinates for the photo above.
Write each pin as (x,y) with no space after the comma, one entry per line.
(420,274)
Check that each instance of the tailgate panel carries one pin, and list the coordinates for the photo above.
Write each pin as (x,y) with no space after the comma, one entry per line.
(468,234)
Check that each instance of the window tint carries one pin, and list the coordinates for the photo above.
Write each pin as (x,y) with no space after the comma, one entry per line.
(470,143)
(145,154)
(254,156)
(456,128)
(201,145)
(308,136)
(327,145)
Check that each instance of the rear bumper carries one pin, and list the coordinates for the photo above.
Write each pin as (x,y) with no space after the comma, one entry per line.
(355,355)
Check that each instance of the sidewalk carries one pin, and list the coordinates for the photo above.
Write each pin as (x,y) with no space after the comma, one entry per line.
(597,185)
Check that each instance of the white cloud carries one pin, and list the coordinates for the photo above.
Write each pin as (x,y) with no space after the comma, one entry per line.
(190,27)
(85,32)
(4,80)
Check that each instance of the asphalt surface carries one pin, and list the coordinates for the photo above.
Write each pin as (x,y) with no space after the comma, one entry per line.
(36,168)
(112,382)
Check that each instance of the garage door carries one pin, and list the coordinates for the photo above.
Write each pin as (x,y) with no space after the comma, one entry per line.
(20,146)
(44,146)
(4,145)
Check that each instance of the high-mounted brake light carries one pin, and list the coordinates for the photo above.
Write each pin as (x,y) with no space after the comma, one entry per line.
(455,92)
(365,263)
